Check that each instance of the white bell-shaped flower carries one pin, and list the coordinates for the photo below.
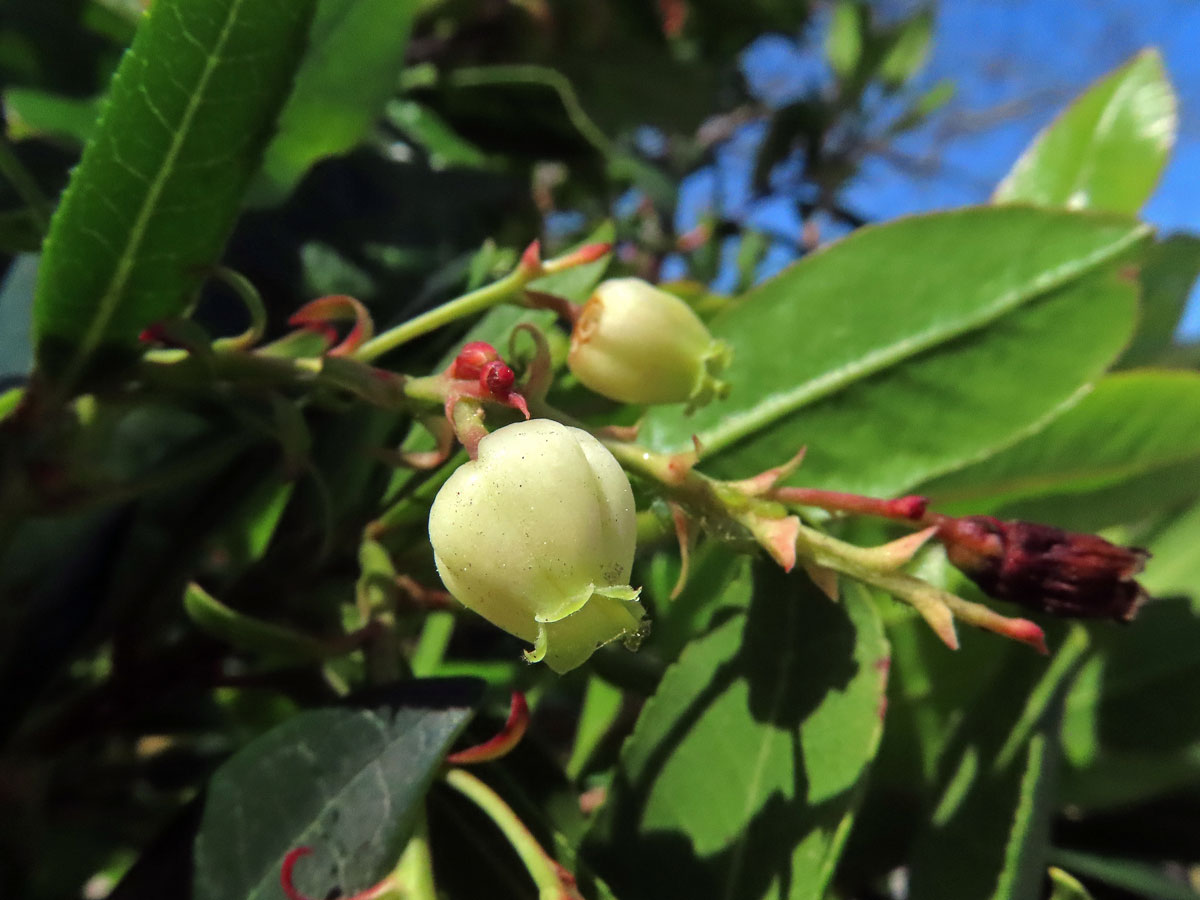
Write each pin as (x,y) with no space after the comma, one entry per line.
(537,535)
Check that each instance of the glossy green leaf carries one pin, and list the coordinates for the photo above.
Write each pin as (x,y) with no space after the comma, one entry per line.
(355,54)
(346,782)
(1139,878)
(998,312)
(1168,273)
(1065,886)
(742,775)
(1107,150)
(1131,424)
(153,200)
(844,42)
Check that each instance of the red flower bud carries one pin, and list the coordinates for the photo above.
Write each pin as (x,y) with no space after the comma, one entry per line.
(472,358)
(497,379)
(1045,568)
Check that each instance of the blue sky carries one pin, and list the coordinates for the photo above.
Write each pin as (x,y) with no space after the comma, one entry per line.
(1015,63)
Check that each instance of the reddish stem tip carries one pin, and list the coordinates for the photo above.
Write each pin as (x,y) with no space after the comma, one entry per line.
(286,873)
(911,507)
(532,257)
(153,333)
(507,738)
(592,252)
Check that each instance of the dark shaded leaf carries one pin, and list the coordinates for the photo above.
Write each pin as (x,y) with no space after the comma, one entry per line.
(989,834)
(347,782)
(1139,878)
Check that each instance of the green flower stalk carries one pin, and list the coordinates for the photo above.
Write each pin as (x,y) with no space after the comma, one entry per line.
(537,535)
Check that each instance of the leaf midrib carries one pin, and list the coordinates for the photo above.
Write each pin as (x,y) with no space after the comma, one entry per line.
(107,305)
(738,426)
(760,762)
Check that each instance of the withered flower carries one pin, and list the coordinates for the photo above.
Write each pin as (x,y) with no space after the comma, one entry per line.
(1045,568)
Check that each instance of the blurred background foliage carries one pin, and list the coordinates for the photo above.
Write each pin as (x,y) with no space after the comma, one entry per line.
(424,145)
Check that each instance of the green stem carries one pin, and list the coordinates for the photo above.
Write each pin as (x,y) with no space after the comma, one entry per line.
(431,646)
(507,289)
(467,305)
(541,867)
(24,184)
(475,76)
(413,875)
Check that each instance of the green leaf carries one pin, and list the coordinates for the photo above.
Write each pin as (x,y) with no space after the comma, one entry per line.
(346,782)
(1132,727)
(10,400)
(743,772)
(158,189)
(446,148)
(30,113)
(354,58)
(1175,545)
(999,312)
(844,42)
(16,303)
(924,106)
(278,645)
(1138,878)
(909,52)
(1066,886)
(989,834)
(1132,424)
(1167,275)
(20,231)
(1107,150)
(601,705)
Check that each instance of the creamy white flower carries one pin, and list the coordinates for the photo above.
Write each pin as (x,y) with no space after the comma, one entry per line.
(537,535)
(638,344)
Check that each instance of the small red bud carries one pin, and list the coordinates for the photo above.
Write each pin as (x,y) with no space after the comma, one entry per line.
(497,379)
(472,358)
